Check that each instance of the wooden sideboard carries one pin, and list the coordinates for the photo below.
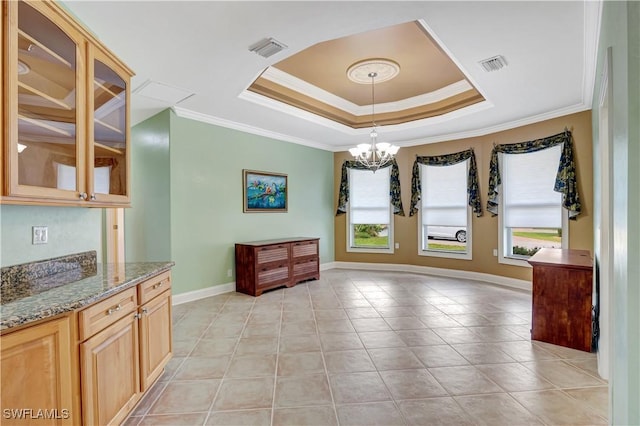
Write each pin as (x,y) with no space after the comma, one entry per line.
(263,265)
(562,297)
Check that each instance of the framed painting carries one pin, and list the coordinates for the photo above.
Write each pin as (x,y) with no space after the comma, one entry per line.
(264,192)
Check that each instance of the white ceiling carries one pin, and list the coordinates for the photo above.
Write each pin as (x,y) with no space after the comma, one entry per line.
(202,47)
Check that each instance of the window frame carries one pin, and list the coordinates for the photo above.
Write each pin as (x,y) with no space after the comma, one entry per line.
(350,235)
(468,255)
(503,235)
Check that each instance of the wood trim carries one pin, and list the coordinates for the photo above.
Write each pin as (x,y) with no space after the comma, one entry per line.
(12,185)
(114,224)
(106,312)
(50,6)
(95,54)
(87,48)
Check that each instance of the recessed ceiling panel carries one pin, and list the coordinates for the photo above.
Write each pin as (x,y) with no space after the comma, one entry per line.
(315,79)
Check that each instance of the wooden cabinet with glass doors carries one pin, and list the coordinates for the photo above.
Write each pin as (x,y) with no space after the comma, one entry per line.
(65,114)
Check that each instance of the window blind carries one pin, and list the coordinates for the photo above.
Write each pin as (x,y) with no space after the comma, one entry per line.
(444,195)
(369,197)
(529,198)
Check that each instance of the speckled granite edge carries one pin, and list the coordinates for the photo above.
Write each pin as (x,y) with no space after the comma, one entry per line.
(44,268)
(110,279)
(26,279)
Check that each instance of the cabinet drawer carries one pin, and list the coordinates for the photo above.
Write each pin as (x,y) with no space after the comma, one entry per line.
(273,275)
(154,286)
(306,267)
(101,315)
(304,248)
(273,253)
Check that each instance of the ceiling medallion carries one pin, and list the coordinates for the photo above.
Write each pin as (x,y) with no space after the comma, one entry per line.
(384,69)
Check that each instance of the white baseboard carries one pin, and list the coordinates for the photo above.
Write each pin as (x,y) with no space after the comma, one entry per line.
(190,296)
(441,272)
(327,266)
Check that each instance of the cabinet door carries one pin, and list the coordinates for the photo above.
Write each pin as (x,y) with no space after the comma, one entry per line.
(155,338)
(110,373)
(37,374)
(44,117)
(108,173)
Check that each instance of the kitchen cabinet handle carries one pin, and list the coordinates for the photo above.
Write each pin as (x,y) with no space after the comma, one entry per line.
(83,195)
(155,286)
(137,316)
(145,311)
(115,309)
(93,197)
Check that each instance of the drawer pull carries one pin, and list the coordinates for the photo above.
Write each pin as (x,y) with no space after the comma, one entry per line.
(137,316)
(145,311)
(155,286)
(112,310)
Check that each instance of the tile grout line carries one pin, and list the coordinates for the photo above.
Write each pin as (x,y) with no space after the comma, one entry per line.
(155,400)
(324,362)
(275,373)
(235,348)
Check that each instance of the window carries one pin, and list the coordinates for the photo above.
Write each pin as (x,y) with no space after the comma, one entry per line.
(445,215)
(370,216)
(532,216)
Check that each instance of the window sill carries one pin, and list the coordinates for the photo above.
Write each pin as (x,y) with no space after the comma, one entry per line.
(370,250)
(514,262)
(445,254)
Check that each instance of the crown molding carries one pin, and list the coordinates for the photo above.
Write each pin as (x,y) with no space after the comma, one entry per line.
(489,130)
(300,86)
(216,121)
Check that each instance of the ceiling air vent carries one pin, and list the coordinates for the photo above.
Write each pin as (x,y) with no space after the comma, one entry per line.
(267,47)
(493,64)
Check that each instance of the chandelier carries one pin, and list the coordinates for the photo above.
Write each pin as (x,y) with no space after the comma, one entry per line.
(373,155)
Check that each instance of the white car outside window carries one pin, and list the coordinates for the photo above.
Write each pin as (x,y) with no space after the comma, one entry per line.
(448,233)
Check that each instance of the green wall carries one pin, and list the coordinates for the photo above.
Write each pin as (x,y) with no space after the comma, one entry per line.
(206,198)
(187,197)
(147,222)
(620,30)
(71,230)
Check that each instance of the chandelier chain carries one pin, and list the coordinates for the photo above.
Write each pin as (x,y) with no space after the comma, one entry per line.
(374,155)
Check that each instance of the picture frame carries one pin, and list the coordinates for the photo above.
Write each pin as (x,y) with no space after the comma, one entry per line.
(264,192)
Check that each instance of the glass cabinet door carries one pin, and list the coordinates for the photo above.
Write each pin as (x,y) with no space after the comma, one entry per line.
(46,159)
(109,178)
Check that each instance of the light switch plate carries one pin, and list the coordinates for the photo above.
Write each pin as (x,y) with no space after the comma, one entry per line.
(39,235)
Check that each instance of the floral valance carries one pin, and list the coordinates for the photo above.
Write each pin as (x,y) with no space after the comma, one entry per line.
(566,181)
(394,191)
(473,191)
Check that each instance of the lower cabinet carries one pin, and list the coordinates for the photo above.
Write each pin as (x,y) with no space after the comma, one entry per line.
(155,338)
(89,367)
(123,359)
(110,373)
(38,379)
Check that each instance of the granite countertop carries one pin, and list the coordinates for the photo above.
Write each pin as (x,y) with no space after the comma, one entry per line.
(34,299)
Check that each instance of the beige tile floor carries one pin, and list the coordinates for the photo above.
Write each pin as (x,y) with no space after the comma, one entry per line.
(370,348)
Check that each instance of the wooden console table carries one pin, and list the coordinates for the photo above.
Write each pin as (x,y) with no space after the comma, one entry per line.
(562,297)
(263,265)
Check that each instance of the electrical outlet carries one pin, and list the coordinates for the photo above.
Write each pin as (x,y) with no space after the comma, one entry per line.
(495,252)
(39,235)
(397,245)
(229,272)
